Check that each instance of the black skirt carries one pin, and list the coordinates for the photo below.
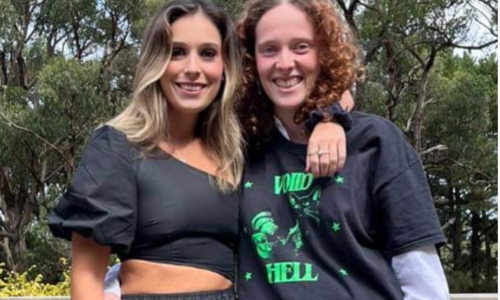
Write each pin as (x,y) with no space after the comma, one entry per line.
(212,295)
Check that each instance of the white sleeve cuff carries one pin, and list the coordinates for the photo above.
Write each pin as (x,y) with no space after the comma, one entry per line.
(111,282)
(421,275)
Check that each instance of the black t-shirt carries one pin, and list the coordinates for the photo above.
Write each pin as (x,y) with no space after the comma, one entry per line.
(303,238)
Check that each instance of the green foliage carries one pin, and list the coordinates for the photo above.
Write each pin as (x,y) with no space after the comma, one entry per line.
(232,7)
(29,283)
(68,66)
(463,88)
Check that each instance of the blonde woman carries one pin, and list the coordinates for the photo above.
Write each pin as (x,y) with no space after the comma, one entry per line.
(157,183)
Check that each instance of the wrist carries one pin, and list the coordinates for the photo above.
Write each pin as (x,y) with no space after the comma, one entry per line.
(332,113)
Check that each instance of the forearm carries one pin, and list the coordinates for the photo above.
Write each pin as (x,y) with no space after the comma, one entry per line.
(88,268)
(347,101)
(85,286)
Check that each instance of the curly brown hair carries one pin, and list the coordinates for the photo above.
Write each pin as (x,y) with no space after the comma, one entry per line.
(339,61)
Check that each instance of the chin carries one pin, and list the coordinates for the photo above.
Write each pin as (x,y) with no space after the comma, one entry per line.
(192,109)
(289,103)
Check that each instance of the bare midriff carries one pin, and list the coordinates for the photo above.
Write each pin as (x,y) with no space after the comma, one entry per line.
(143,277)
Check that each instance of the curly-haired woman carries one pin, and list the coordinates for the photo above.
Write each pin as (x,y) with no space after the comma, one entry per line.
(369,232)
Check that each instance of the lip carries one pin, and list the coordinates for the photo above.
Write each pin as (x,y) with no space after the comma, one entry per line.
(288,89)
(191,93)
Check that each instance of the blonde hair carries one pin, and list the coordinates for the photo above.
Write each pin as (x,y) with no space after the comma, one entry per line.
(145,120)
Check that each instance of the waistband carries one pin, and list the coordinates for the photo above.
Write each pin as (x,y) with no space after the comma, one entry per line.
(208,295)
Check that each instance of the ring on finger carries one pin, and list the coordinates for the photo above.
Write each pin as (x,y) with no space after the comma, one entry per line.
(319,153)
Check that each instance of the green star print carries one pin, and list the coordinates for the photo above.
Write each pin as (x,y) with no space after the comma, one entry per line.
(343,273)
(339,179)
(248,184)
(336,227)
(248,276)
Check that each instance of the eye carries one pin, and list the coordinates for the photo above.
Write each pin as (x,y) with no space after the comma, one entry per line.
(268,51)
(208,53)
(178,53)
(302,47)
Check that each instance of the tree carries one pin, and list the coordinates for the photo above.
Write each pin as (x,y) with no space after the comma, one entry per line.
(67,66)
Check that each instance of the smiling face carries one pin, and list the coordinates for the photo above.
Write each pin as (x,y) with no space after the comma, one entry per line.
(287,56)
(193,76)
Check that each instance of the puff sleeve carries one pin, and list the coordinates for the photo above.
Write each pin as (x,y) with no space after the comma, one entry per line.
(101,202)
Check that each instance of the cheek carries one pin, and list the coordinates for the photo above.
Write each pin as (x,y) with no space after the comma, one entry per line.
(172,71)
(311,63)
(215,70)
(264,66)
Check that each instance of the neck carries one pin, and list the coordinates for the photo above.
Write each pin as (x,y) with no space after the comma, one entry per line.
(182,127)
(295,131)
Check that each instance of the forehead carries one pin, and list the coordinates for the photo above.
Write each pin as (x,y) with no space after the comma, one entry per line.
(195,28)
(284,21)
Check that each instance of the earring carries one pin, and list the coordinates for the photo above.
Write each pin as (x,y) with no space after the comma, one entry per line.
(259,91)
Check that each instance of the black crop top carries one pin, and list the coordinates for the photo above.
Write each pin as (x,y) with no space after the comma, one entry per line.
(156,209)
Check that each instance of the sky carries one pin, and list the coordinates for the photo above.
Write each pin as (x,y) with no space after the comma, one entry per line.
(479,33)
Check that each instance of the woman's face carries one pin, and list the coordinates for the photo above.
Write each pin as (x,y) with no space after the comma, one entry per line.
(287,56)
(193,77)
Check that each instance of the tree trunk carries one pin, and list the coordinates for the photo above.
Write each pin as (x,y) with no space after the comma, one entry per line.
(394,82)
(3,63)
(475,257)
(18,205)
(457,229)
(418,114)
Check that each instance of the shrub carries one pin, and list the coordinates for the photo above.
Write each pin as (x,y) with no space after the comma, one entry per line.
(13,284)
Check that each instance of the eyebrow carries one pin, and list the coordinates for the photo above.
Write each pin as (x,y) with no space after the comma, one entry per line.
(299,39)
(209,44)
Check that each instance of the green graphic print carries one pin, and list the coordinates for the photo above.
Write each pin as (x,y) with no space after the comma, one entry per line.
(304,198)
(266,240)
(264,237)
(306,205)
(264,227)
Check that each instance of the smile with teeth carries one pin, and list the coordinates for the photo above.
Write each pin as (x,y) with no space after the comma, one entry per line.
(287,83)
(191,87)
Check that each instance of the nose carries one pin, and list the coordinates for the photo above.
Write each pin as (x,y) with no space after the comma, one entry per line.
(285,63)
(192,69)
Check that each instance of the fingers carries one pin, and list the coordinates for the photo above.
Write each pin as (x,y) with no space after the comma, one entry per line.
(315,164)
(311,160)
(333,160)
(342,150)
(311,149)
(327,154)
(324,162)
